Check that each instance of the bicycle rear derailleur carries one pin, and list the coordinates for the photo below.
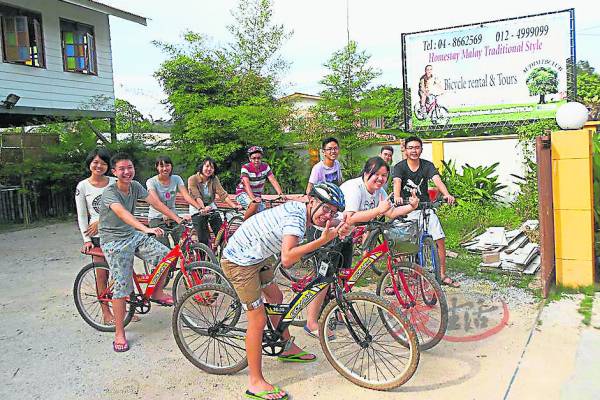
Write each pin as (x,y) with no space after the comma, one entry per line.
(142,305)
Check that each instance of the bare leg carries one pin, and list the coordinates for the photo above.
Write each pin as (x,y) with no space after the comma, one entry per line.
(441,248)
(119,312)
(256,381)
(252,209)
(313,310)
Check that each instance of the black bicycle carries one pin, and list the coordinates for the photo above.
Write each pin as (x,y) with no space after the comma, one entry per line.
(373,345)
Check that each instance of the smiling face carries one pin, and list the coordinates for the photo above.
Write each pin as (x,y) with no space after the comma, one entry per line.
(324,213)
(331,150)
(256,158)
(98,167)
(124,171)
(164,169)
(208,169)
(377,180)
(414,150)
(387,156)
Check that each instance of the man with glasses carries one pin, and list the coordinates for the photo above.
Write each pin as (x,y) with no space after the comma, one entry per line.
(327,170)
(413,174)
(252,182)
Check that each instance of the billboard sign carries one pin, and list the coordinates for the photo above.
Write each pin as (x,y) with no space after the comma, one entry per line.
(490,73)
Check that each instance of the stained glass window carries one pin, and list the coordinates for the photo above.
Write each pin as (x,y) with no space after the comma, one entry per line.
(79,52)
(22,37)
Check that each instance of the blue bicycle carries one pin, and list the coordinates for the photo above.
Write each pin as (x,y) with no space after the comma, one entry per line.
(428,256)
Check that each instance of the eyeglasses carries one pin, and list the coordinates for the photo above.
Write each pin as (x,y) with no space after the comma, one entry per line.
(413,148)
(328,210)
(331,149)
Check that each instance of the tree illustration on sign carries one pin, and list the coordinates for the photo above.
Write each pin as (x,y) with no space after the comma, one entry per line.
(542,81)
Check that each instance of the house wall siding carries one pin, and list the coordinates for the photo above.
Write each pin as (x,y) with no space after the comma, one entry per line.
(52,87)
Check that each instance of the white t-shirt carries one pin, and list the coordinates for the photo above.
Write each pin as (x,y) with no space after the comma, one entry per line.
(322,173)
(261,236)
(87,201)
(358,198)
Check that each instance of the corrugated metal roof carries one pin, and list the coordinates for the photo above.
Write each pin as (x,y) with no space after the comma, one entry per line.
(106,9)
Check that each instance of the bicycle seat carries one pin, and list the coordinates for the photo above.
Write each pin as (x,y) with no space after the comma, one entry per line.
(94,251)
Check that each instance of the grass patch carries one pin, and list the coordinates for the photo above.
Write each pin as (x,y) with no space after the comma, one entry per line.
(585,308)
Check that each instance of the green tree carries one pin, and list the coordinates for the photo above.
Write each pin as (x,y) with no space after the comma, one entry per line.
(542,81)
(347,83)
(588,88)
(387,102)
(222,98)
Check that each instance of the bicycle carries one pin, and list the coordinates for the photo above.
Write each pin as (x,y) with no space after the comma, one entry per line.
(374,346)
(92,289)
(232,219)
(439,115)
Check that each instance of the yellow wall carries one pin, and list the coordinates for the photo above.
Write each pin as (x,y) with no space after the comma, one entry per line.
(573,200)
(437,148)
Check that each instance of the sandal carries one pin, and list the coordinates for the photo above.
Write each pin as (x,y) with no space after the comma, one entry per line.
(315,333)
(166,302)
(447,281)
(263,395)
(298,357)
(121,347)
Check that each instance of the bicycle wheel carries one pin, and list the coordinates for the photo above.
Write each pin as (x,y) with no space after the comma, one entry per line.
(209,326)
(440,115)
(201,252)
(376,358)
(428,309)
(302,270)
(232,225)
(373,240)
(201,272)
(418,112)
(429,258)
(90,284)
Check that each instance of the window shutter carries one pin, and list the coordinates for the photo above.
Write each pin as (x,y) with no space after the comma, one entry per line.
(39,44)
(16,39)
(69,50)
(91,54)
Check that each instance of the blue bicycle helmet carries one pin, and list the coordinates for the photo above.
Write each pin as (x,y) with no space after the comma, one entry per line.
(329,193)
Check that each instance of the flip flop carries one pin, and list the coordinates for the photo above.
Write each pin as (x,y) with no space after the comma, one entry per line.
(447,281)
(297,357)
(121,347)
(263,395)
(315,333)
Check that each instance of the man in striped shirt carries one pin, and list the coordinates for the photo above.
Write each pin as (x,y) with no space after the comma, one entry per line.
(252,182)
(247,263)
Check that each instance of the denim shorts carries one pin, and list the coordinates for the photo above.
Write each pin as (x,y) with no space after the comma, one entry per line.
(245,201)
(119,255)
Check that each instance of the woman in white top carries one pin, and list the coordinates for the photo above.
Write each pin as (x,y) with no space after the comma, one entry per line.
(87,200)
(166,185)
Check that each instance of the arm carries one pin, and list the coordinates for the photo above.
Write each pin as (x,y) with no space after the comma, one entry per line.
(397,185)
(155,202)
(188,198)
(309,187)
(129,219)
(275,184)
(194,192)
(291,253)
(443,189)
(247,188)
(82,213)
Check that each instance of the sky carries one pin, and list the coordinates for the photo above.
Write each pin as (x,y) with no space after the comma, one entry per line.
(319,29)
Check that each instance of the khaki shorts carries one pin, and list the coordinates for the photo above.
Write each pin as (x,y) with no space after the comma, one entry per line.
(248,281)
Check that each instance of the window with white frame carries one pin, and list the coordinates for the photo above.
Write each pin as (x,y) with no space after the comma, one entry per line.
(22,39)
(79,47)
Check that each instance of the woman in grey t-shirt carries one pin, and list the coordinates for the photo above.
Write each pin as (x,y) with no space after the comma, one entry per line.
(166,185)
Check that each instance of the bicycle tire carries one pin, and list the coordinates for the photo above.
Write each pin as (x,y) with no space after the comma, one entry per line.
(201,252)
(86,287)
(429,258)
(420,115)
(233,224)
(429,318)
(373,240)
(200,271)
(343,345)
(440,116)
(220,323)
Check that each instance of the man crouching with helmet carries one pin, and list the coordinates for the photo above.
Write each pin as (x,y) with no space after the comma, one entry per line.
(247,264)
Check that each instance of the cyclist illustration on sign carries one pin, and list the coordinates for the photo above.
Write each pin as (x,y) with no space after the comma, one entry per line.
(429,89)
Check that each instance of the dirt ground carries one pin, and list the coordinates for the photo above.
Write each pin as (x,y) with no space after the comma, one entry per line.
(49,352)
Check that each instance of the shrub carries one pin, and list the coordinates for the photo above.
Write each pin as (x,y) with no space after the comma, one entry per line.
(474,184)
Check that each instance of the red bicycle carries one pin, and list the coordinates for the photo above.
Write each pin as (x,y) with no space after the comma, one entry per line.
(401,282)
(93,285)
(232,219)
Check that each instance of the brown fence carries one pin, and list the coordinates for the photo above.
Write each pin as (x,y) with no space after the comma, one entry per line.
(18,206)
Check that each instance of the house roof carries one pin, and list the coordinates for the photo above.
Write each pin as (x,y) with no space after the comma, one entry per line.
(297,95)
(106,9)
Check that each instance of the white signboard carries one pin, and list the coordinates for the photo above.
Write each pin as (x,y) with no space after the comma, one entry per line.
(508,70)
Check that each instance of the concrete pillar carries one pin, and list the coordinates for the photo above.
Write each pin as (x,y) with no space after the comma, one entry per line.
(573,198)
(437,149)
